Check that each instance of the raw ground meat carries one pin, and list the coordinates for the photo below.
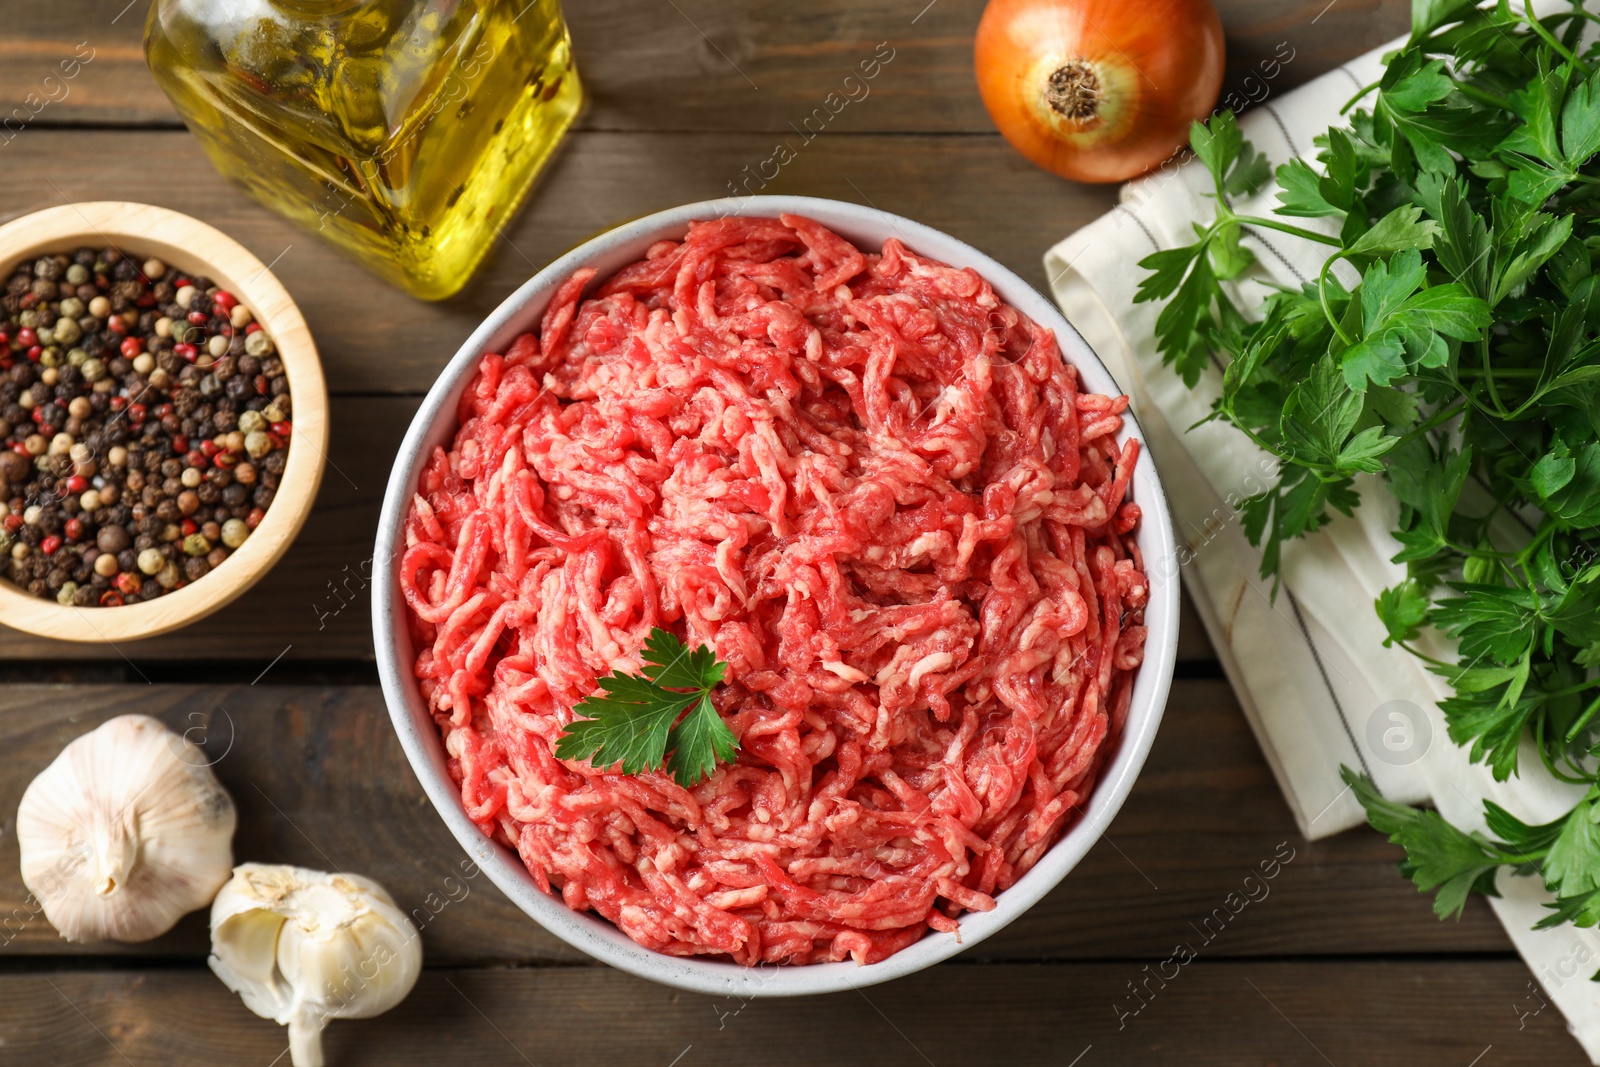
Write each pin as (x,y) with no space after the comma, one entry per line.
(877,493)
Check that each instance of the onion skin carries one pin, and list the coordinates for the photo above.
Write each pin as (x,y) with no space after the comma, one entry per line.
(1099,90)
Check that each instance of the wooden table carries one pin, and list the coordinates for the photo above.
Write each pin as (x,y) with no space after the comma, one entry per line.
(1342,963)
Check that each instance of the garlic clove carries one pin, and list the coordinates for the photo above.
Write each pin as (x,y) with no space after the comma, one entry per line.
(302,947)
(125,832)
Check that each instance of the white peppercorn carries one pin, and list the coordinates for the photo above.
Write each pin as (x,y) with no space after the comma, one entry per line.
(67,332)
(257,443)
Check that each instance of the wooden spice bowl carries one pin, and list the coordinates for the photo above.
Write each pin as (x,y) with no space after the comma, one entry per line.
(191,245)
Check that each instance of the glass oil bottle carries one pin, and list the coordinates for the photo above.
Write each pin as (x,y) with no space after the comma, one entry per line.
(405,131)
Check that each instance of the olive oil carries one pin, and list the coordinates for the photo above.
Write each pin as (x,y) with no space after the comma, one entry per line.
(405,131)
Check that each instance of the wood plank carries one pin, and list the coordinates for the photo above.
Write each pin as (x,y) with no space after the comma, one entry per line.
(316,599)
(320,781)
(699,64)
(1193,644)
(375,340)
(1396,1014)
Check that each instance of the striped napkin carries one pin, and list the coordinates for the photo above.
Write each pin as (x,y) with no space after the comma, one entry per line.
(1308,665)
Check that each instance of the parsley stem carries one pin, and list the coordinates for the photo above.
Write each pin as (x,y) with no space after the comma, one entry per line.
(1472,398)
(1443,415)
(1484,552)
(1417,652)
(1363,91)
(1322,298)
(1488,378)
(1520,857)
(1578,13)
(1483,96)
(1583,720)
(1546,531)
(1284,227)
(1571,689)
(1549,38)
(1544,754)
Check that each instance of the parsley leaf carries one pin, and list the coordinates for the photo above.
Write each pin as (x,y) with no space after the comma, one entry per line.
(1402,609)
(636,719)
(1572,865)
(1439,858)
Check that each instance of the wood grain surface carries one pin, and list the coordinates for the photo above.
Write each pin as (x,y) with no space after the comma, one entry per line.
(375,340)
(1213,1014)
(1341,962)
(320,781)
(695,65)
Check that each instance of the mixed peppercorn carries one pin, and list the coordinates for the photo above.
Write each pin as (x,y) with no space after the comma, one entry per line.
(145,422)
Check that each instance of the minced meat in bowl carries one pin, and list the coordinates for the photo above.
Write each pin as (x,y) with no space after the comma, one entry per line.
(877,491)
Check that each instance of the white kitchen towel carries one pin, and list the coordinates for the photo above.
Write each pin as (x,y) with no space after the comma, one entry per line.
(1309,665)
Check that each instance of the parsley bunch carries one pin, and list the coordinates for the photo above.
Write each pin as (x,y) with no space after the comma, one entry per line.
(635,719)
(1452,346)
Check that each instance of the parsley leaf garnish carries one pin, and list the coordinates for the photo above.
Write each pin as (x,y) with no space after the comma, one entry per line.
(1450,351)
(635,720)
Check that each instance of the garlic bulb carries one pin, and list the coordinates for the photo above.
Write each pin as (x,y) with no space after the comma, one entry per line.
(302,947)
(125,833)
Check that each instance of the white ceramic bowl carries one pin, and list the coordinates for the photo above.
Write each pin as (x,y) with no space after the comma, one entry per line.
(435,425)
